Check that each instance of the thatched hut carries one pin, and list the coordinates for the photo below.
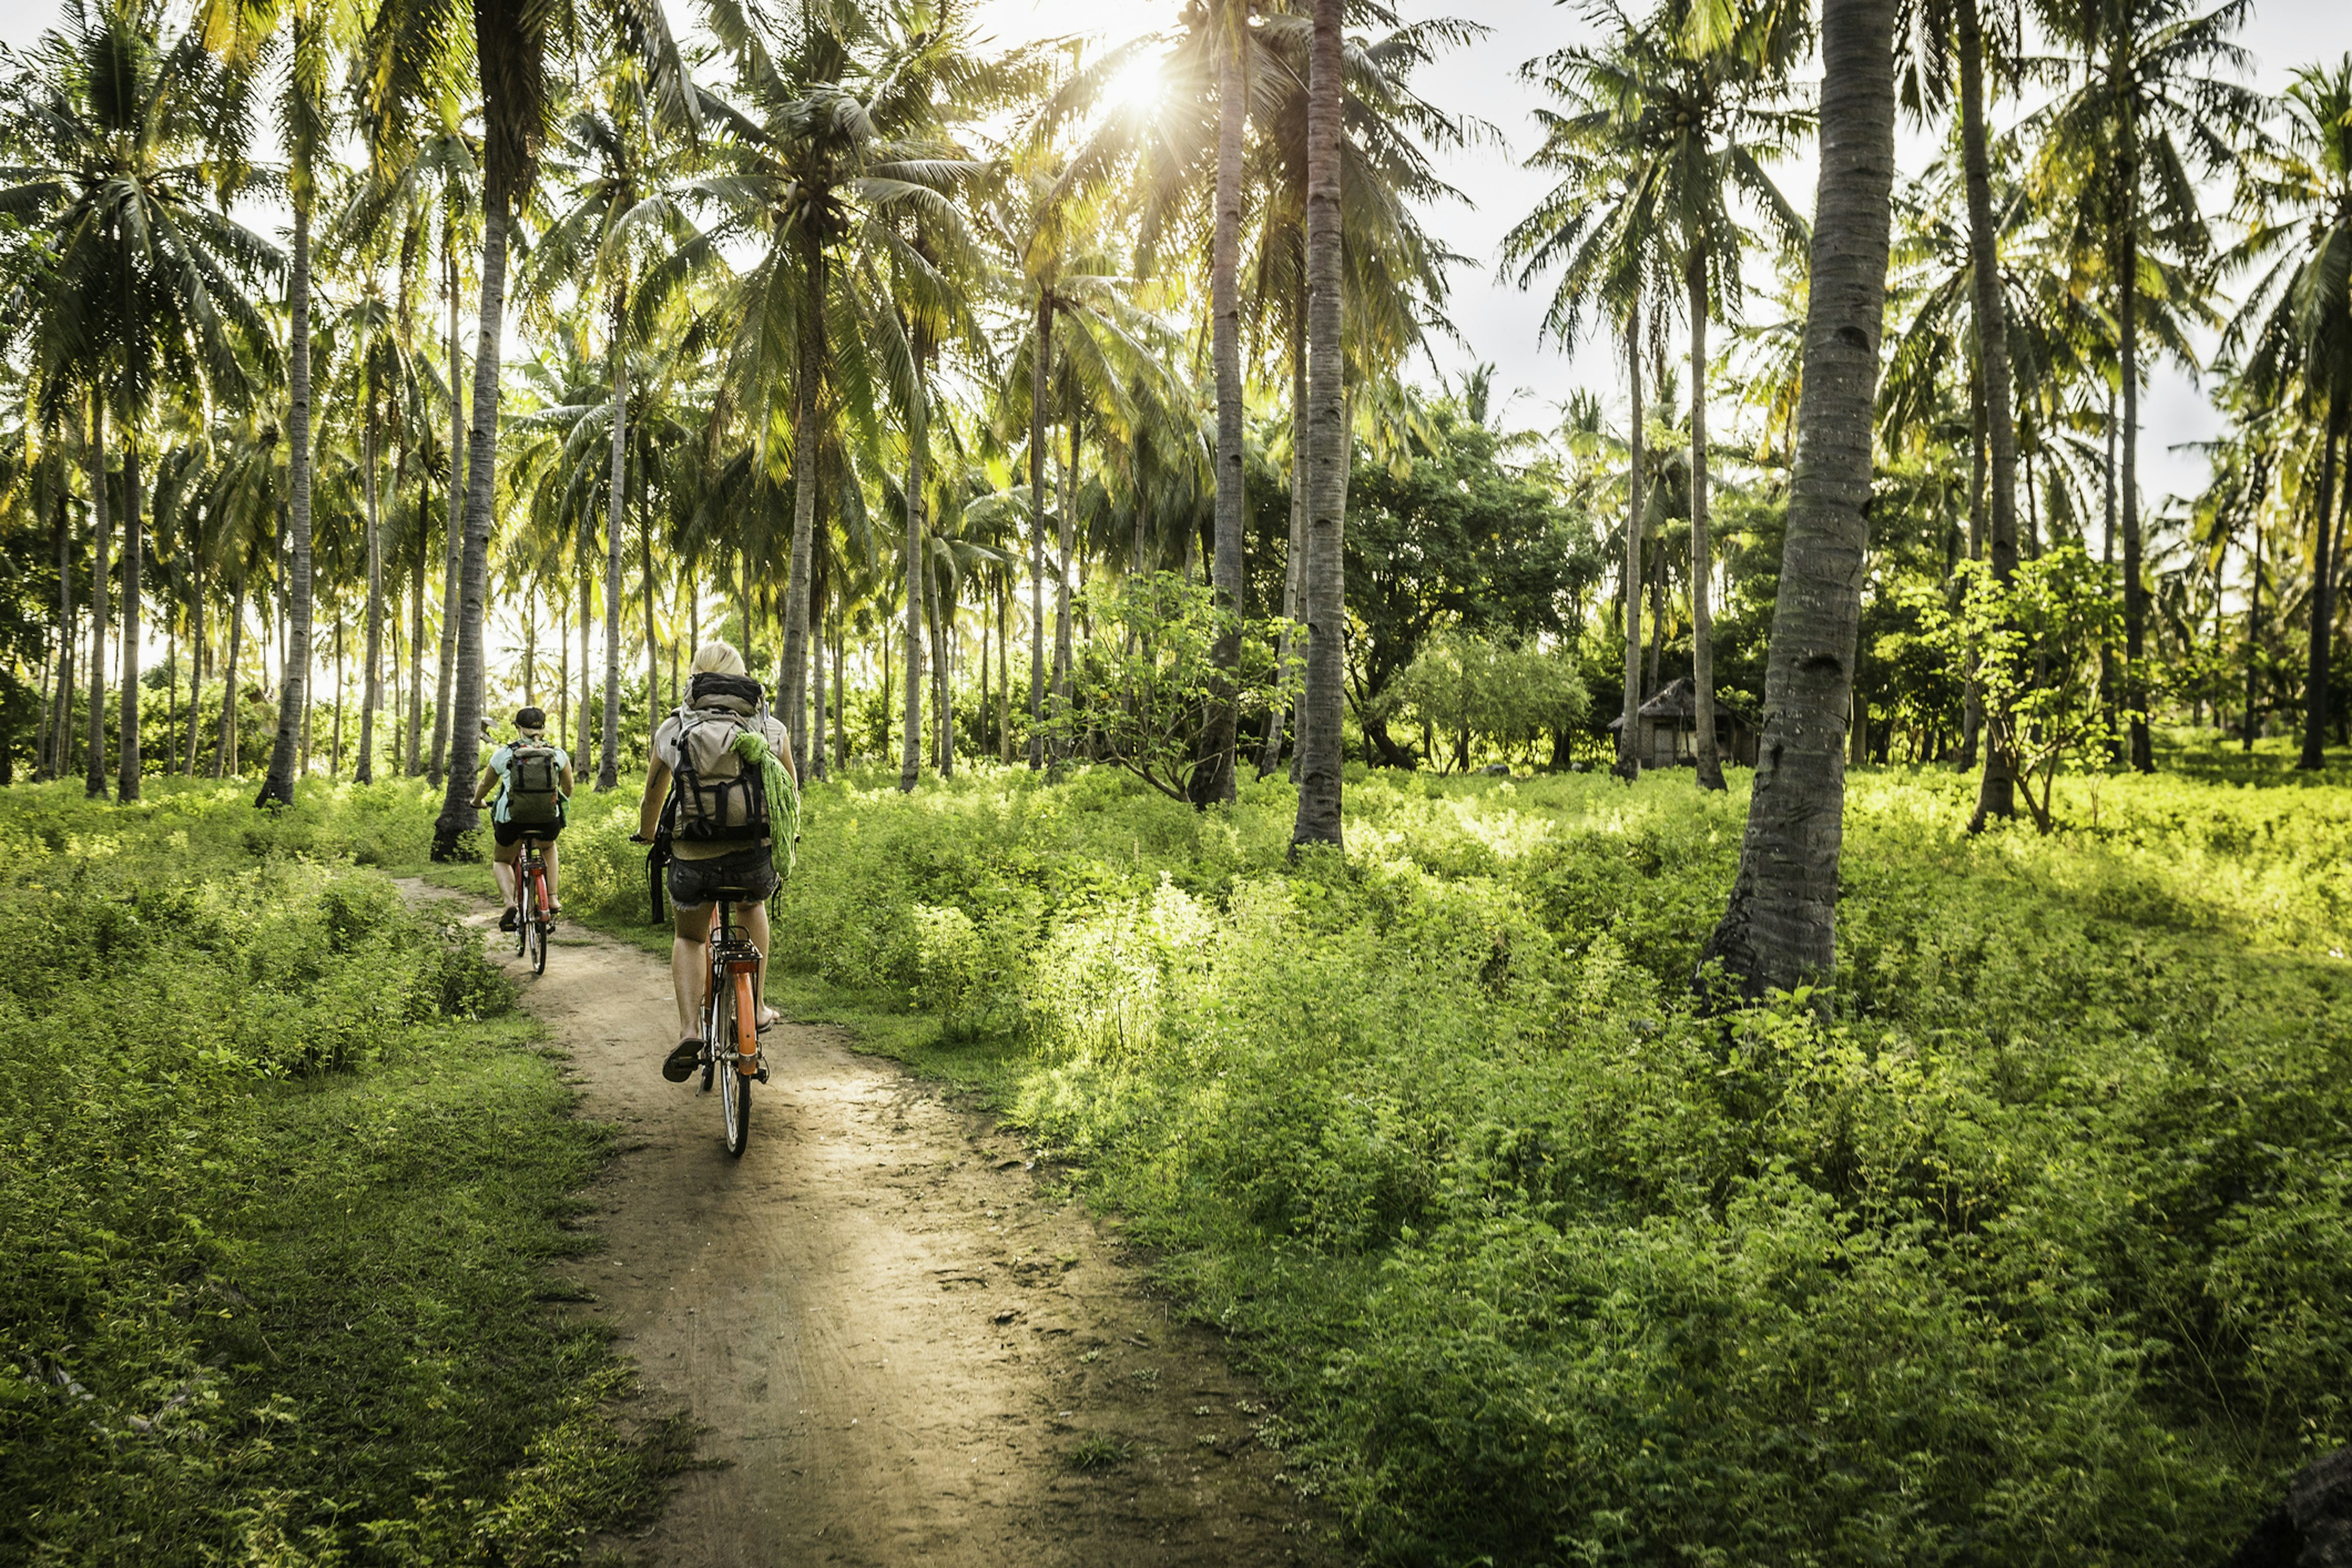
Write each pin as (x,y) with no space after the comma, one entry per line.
(1666,732)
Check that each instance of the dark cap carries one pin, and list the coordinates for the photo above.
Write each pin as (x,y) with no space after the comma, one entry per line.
(531,718)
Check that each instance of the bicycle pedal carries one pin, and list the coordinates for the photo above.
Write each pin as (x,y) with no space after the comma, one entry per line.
(762,1074)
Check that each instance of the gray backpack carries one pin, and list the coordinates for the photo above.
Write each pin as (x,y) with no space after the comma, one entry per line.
(715,796)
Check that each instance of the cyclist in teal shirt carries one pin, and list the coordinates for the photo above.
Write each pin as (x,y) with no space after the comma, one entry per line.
(532,780)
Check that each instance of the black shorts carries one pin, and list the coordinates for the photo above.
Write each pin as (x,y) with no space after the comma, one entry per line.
(509,833)
(741,876)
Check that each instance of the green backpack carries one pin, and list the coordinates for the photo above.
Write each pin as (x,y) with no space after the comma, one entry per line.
(534,795)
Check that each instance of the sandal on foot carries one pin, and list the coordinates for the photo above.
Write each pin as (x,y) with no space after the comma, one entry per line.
(770,1022)
(679,1065)
(511,921)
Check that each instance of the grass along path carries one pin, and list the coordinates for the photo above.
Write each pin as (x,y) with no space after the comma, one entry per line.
(900,1349)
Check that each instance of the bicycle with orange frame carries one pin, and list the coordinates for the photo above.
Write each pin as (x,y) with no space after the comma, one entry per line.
(535,908)
(730,1025)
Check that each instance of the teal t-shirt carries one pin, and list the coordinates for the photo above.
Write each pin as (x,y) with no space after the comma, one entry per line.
(502,764)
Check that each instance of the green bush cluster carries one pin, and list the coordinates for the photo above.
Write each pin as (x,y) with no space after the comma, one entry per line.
(2026,1242)
(275,1167)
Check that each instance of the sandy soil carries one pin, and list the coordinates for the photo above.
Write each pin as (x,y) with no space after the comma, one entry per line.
(901,1350)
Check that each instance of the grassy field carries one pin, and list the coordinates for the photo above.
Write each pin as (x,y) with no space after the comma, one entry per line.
(2027,1242)
(277,1161)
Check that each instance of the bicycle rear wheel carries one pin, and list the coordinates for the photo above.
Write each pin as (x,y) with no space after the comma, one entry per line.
(535,918)
(732,1024)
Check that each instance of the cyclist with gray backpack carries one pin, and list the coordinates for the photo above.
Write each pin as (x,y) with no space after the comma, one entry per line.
(532,780)
(707,805)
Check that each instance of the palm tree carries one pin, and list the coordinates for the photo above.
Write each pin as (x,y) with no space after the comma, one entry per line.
(1602,226)
(1319,820)
(823,157)
(1229,26)
(619,181)
(2295,327)
(129,150)
(1950,27)
(243,30)
(2145,112)
(1685,126)
(413,58)
(1778,927)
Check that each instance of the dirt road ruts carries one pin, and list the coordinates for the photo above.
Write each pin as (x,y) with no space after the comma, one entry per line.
(899,1351)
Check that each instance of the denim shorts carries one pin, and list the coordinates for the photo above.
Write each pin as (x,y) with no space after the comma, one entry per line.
(743,876)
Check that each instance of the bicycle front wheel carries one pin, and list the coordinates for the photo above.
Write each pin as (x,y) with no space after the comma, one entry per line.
(734,1088)
(537,926)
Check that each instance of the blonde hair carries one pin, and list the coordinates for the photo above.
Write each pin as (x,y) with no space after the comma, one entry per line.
(716,657)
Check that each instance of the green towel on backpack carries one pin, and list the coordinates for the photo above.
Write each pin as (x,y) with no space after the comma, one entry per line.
(783,796)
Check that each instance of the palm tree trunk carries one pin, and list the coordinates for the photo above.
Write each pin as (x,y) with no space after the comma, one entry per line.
(1996,793)
(452,527)
(102,535)
(457,815)
(1294,561)
(2315,707)
(1321,708)
(804,482)
(1710,764)
(294,683)
(585,553)
(135,551)
(2253,629)
(1065,540)
(944,676)
(1780,925)
(1212,778)
(1629,746)
(60,760)
(195,659)
(2143,757)
(412,765)
(1041,361)
(817,763)
(224,760)
(335,742)
(608,759)
(919,432)
(1971,695)
(1004,666)
(371,690)
(653,643)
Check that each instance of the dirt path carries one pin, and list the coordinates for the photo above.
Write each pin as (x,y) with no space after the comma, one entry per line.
(901,1352)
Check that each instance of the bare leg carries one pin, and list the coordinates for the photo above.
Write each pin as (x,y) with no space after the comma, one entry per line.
(689,964)
(548,853)
(502,864)
(755,926)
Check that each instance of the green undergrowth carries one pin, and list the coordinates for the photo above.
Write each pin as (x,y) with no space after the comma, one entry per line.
(2025,1242)
(285,1201)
